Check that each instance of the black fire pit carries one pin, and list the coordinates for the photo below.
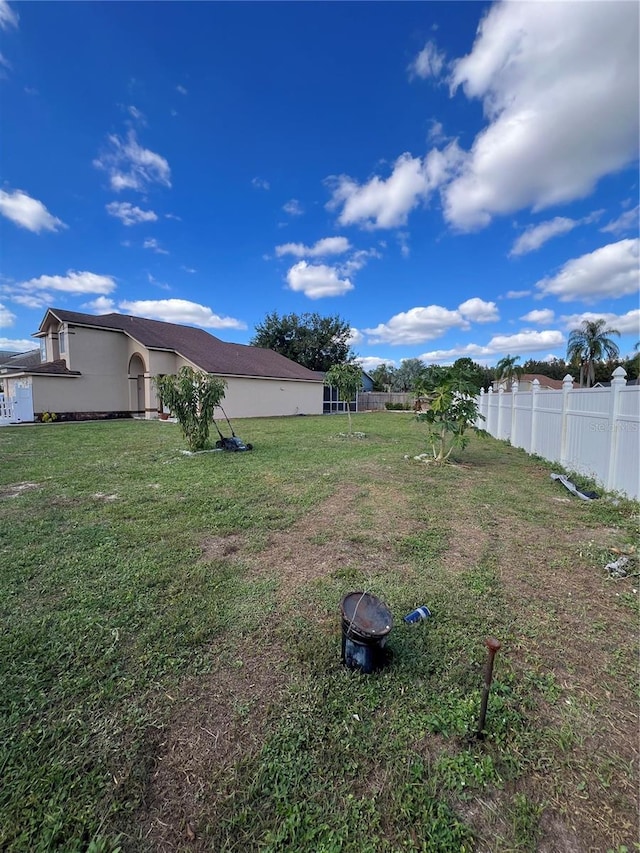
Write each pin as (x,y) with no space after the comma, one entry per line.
(366,623)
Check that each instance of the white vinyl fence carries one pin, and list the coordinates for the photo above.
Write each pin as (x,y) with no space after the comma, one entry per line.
(592,431)
(6,412)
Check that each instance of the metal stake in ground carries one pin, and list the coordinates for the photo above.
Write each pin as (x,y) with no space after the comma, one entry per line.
(492,645)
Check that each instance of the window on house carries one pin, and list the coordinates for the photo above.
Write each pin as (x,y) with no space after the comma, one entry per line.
(43,349)
(62,342)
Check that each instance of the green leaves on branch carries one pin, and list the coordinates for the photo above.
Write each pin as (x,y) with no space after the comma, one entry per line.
(192,397)
(452,414)
(347,378)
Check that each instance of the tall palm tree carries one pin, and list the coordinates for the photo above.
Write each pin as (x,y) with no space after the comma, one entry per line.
(589,343)
(507,368)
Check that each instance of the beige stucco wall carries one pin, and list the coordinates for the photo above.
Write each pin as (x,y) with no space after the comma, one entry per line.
(103,357)
(57,394)
(254,398)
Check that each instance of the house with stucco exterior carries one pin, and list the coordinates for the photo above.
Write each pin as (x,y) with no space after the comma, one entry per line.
(96,366)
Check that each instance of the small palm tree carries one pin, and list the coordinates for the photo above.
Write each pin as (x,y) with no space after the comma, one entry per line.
(589,343)
(507,368)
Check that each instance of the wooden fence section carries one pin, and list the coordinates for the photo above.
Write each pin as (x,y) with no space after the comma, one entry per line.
(374,401)
(592,431)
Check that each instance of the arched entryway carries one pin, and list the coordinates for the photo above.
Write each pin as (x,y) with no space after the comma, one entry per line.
(137,369)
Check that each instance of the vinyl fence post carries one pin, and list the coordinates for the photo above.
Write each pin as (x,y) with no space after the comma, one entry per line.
(567,387)
(535,387)
(501,411)
(514,398)
(618,382)
(491,428)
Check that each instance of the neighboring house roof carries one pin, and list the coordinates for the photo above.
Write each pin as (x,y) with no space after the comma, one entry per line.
(545,381)
(19,360)
(197,346)
(47,368)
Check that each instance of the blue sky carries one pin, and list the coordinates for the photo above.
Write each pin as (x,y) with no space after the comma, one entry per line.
(450,178)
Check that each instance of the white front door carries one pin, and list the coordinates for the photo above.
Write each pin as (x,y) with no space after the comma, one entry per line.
(21,401)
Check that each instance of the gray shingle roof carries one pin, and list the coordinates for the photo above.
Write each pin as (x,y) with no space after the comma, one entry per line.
(16,360)
(203,349)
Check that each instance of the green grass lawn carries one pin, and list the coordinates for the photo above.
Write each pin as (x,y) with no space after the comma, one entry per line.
(170,673)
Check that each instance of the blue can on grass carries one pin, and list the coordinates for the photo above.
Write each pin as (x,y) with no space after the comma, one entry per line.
(418,615)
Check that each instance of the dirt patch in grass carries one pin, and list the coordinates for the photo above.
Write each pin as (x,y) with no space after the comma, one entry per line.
(222,547)
(357,528)
(16,489)
(217,719)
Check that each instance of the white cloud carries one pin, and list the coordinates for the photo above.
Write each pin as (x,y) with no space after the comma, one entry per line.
(260,184)
(72,282)
(293,207)
(180,311)
(136,114)
(101,305)
(436,132)
(5,62)
(380,203)
(32,300)
(543,316)
(317,280)
(428,63)
(152,243)
(28,212)
(526,341)
(357,261)
(627,221)
(129,214)
(182,90)
(324,247)
(559,86)
(8,18)
(403,241)
(386,203)
(424,324)
(416,326)
(355,337)
(370,362)
(6,317)
(23,345)
(160,284)
(478,311)
(173,216)
(611,271)
(132,167)
(626,324)
(537,235)
(517,294)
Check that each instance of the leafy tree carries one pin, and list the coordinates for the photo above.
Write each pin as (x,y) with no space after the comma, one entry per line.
(557,368)
(409,374)
(507,368)
(192,396)
(383,377)
(469,372)
(311,340)
(452,414)
(347,378)
(588,344)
